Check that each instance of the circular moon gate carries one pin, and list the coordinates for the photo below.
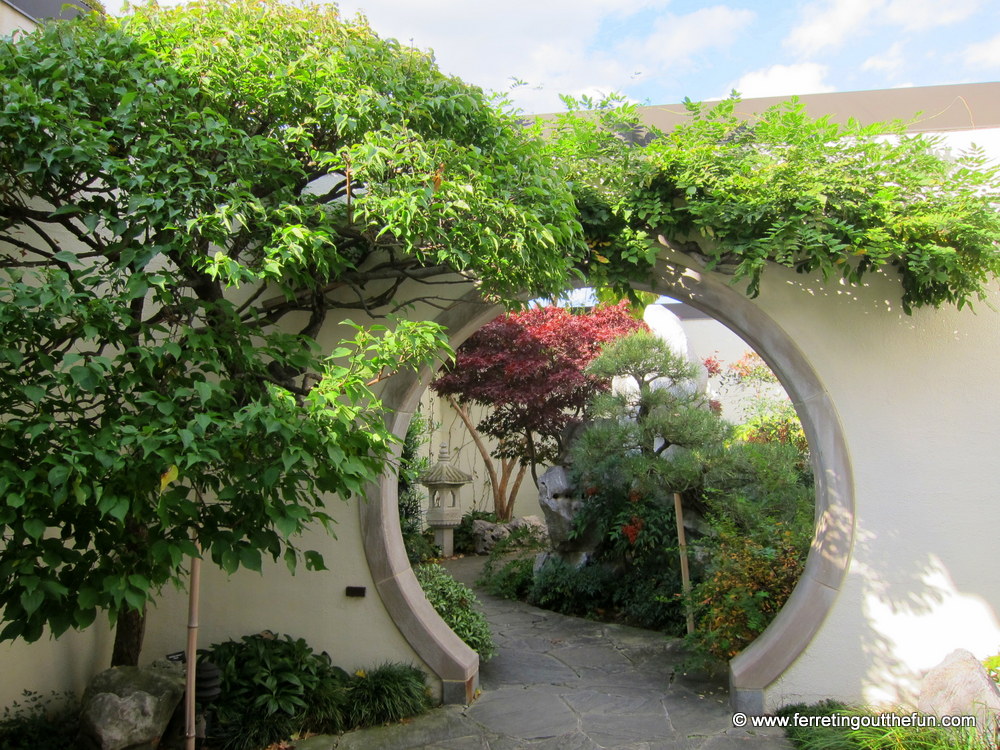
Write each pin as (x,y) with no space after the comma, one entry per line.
(773,652)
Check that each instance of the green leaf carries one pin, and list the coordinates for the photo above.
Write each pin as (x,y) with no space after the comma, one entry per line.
(250,558)
(34,527)
(314,560)
(84,377)
(84,618)
(136,599)
(290,560)
(286,525)
(33,392)
(230,561)
(58,475)
(31,601)
(119,508)
(87,598)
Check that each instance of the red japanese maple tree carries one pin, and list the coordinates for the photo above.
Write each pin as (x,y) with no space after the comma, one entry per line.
(527,370)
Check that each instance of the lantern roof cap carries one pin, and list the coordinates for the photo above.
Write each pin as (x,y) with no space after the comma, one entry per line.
(444,473)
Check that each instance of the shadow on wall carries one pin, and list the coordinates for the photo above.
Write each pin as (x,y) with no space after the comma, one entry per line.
(917,614)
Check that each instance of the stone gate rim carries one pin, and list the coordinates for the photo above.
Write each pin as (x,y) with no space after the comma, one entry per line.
(788,636)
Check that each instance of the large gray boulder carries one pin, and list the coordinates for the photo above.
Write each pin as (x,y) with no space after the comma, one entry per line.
(960,686)
(128,708)
(535,527)
(560,504)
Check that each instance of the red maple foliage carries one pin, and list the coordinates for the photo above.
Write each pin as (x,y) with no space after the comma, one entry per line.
(528,369)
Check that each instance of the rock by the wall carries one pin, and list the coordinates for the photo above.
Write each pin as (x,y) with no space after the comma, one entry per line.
(535,525)
(486,534)
(960,686)
(128,708)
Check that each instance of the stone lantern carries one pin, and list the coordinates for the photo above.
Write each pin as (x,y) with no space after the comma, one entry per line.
(443,481)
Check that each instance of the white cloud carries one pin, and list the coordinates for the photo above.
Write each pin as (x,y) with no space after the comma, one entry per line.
(829,24)
(891,62)
(984,54)
(784,80)
(550,44)
(676,39)
(918,15)
(499,40)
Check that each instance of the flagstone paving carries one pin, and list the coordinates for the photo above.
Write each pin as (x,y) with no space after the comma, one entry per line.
(564,683)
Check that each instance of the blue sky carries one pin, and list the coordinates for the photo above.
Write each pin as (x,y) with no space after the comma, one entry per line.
(659,51)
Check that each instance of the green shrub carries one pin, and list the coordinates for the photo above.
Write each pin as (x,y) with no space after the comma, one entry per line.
(419,546)
(649,596)
(509,569)
(40,722)
(573,591)
(747,583)
(509,579)
(458,607)
(273,688)
(754,486)
(386,694)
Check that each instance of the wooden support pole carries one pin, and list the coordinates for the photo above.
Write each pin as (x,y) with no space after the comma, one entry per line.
(685,573)
(190,730)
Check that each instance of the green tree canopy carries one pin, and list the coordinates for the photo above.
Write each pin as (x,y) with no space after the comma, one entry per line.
(185,197)
(781,188)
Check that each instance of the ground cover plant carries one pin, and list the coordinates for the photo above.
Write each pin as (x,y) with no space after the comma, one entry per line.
(274,688)
(509,568)
(40,722)
(458,607)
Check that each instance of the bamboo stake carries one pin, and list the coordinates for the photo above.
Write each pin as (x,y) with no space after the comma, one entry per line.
(192,649)
(685,573)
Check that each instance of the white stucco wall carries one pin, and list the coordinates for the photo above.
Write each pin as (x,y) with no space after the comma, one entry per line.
(12,20)
(313,605)
(920,408)
(48,665)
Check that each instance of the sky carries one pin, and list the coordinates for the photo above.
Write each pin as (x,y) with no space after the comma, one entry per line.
(661,51)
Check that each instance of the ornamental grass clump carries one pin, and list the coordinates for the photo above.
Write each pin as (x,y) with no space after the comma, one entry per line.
(386,694)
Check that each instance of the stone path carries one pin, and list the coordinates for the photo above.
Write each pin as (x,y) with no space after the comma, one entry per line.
(563,683)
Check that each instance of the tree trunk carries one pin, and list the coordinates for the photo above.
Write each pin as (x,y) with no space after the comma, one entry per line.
(128,637)
(487,459)
(508,512)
